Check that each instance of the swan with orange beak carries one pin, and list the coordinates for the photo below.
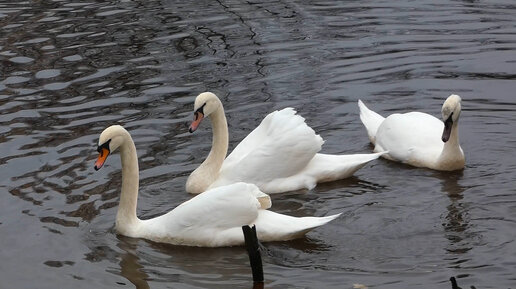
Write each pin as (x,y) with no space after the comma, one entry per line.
(198,117)
(212,219)
(104,151)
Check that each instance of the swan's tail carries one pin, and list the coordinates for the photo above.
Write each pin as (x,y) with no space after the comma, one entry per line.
(272,226)
(371,120)
(327,168)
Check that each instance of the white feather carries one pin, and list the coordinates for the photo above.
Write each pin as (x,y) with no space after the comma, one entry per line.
(415,138)
(279,155)
(212,219)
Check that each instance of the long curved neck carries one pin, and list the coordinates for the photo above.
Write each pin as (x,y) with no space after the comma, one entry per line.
(453,142)
(126,216)
(452,154)
(219,146)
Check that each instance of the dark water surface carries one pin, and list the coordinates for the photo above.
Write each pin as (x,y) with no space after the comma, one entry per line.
(70,69)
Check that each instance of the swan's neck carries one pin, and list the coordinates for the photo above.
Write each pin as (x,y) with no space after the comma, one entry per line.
(126,219)
(453,142)
(219,146)
(452,156)
(208,171)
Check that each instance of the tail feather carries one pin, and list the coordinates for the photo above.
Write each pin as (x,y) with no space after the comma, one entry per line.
(327,168)
(273,226)
(371,120)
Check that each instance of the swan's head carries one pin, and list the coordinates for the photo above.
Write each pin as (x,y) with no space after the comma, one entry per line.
(451,112)
(205,104)
(110,139)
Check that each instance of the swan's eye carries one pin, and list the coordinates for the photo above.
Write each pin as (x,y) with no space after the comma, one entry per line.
(104,146)
(200,109)
(449,119)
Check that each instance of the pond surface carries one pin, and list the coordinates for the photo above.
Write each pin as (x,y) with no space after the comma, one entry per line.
(70,69)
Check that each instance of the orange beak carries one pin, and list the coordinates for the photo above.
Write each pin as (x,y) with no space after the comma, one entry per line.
(198,116)
(104,153)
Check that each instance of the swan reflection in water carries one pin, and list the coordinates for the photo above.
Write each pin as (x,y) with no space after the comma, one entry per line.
(456,221)
(130,267)
(196,262)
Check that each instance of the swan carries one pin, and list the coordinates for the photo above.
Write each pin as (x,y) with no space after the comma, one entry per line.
(280,155)
(417,138)
(211,219)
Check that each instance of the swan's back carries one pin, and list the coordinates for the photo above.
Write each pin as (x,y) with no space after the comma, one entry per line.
(213,218)
(410,134)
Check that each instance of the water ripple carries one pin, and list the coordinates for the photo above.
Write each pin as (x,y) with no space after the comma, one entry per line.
(70,69)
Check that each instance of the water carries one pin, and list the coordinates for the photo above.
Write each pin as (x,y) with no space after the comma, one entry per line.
(70,69)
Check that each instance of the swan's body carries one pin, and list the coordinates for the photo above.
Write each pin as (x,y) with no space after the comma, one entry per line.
(417,138)
(280,155)
(211,219)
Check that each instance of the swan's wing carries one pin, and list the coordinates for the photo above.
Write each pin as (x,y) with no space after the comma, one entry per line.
(213,218)
(411,135)
(281,146)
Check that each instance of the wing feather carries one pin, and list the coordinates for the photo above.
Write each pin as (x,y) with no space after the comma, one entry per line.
(211,218)
(281,146)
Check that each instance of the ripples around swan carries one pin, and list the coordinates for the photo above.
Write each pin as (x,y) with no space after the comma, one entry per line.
(70,69)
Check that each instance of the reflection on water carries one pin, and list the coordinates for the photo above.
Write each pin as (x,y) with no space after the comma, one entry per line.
(70,69)
(456,220)
(130,268)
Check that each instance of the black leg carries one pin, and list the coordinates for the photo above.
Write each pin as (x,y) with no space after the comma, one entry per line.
(253,250)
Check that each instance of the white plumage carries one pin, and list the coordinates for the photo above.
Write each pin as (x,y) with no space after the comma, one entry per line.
(417,138)
(279,155)
(211,219)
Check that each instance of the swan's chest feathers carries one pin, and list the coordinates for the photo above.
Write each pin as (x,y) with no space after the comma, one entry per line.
(200,179)
(451,159)
(130,228)
(451,164)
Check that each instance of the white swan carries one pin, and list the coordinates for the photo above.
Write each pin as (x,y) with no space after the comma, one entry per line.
(211,219)
(279,155)
(417,138)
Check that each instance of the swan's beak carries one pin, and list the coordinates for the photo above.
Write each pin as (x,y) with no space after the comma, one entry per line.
(104,153)
(447,129)
(198,116)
